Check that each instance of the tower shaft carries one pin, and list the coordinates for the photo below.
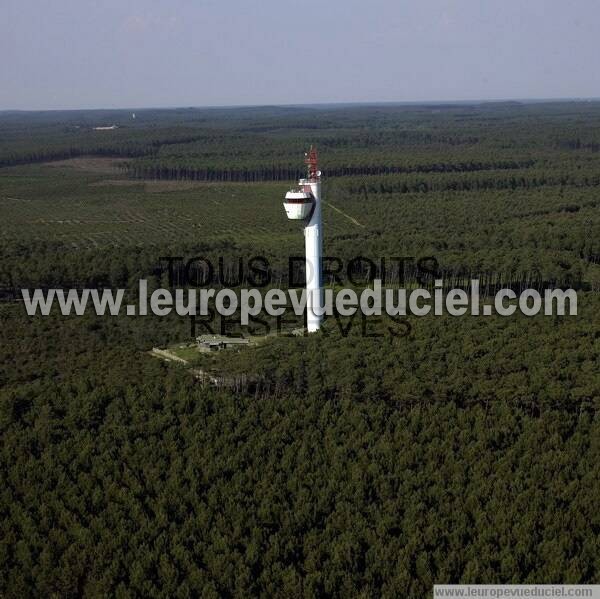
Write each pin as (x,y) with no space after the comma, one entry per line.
(313,243)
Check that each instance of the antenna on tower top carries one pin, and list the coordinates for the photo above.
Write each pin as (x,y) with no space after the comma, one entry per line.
(311,160)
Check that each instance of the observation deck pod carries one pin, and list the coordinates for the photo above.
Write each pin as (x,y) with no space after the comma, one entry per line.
(298,204)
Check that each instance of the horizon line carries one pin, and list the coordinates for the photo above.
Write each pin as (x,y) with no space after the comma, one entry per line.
(311,104)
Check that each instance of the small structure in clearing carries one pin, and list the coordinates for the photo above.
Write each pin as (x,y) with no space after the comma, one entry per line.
(219,342)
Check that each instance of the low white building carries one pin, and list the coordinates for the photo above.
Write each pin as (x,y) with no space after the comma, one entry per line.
(218,342)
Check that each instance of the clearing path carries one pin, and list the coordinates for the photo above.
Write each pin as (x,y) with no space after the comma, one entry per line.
(350,218)
(167,355)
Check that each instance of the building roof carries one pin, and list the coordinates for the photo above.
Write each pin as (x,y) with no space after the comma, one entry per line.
(221,340)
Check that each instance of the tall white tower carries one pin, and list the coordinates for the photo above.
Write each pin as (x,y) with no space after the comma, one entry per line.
(304,203)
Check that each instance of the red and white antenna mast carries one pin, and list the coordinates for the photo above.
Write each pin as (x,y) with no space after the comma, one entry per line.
(311,160)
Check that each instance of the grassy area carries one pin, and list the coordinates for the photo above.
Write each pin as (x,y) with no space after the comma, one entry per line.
(188,352)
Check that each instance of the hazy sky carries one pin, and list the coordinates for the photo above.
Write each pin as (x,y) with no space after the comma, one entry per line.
(134,53)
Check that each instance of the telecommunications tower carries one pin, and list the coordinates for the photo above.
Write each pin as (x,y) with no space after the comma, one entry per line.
(304,203)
